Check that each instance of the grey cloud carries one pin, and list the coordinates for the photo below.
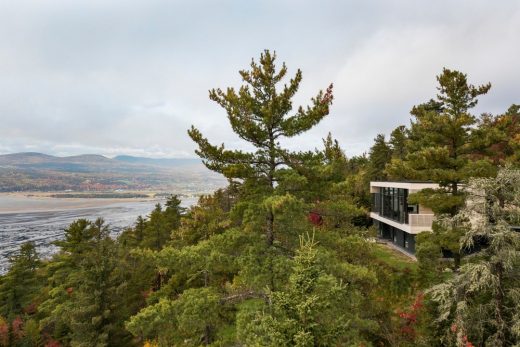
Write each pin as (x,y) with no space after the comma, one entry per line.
(130,77)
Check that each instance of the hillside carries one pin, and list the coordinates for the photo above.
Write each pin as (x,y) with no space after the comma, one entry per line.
(164,162)
(38,171)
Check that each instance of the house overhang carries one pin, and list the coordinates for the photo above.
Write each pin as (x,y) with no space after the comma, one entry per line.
(405,227)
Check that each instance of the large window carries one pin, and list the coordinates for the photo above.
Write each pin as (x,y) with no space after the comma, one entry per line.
(393,205)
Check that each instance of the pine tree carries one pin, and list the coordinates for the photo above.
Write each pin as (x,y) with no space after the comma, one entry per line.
(173,212)
(79,309)
(481,302)
(260,115)
(316,309)
(398,142)
(440,150)
(498,137)
(20,285)
(64,277)
(440,147)
(203,220)
(157,231)
(92,309)
(380,155)
(139,227)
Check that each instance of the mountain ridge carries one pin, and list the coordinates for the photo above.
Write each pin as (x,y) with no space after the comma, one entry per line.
(91,157)
(39,171)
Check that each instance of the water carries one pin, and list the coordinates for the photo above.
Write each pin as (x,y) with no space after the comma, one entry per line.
(42,228)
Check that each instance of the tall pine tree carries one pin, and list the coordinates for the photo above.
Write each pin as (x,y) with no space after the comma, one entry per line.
(260,114)
(440,149)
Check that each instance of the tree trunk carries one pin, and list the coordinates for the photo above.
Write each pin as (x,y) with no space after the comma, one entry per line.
(207,335)
(272,168)
(500,339)
(270,228)
(456,260)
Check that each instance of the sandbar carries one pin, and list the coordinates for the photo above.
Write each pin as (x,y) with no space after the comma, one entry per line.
(25,202)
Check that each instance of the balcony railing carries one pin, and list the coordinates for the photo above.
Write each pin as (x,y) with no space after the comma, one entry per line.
(420,220)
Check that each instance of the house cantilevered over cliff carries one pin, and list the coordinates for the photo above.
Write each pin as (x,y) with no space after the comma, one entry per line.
(394,218)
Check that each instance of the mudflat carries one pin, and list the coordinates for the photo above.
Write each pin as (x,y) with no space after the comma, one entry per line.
(20,202)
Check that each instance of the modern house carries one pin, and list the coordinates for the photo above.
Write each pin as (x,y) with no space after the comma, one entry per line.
(395,219)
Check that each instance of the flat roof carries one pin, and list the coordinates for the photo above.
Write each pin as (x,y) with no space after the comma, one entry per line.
(411,185)
(405,181)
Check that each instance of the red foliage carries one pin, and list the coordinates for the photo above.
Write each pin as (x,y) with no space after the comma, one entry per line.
(52,343)
(4,333)
(409,317)
(30,309)
(418,303)
(315,218)
(17,328)
(147,293)
(466,342)
(327,97)
(453,328)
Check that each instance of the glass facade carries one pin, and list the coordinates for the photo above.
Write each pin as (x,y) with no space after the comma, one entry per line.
(392,203)
(397,236)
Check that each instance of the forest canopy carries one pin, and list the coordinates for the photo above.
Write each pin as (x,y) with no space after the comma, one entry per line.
(286,255)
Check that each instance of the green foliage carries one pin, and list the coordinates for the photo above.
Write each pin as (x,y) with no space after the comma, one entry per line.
(19,286)
(182,322)
(441,149)
(157,231)
(80,308)
(258,114)
(480,302)
(380,155)
(440,137)
(316,309)
(399,142)
(234,270)
(497,137)
(203,220)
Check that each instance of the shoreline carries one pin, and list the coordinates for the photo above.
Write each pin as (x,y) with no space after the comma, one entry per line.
(34,202)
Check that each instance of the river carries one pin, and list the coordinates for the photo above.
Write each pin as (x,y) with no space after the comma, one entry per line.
(44,227)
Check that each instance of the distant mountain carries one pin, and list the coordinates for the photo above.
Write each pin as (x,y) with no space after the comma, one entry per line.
(38,171)
(167,162)
(76,163)
(26,158)
(92,162)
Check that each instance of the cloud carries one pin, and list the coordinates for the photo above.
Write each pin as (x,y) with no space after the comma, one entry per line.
(130,77)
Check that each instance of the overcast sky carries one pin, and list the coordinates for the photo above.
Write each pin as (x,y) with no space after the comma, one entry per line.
(130,77)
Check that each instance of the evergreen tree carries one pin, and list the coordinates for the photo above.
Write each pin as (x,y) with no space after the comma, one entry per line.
(398,142)
(203,220)
(316,309)
(380,155)
(139,227)
(173,211)
(481,302)
(79,309)
(19,287)
(157,231)
(92,314)
(440,150)
(440,146)
(259,114)
(64,277)
(498,137)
